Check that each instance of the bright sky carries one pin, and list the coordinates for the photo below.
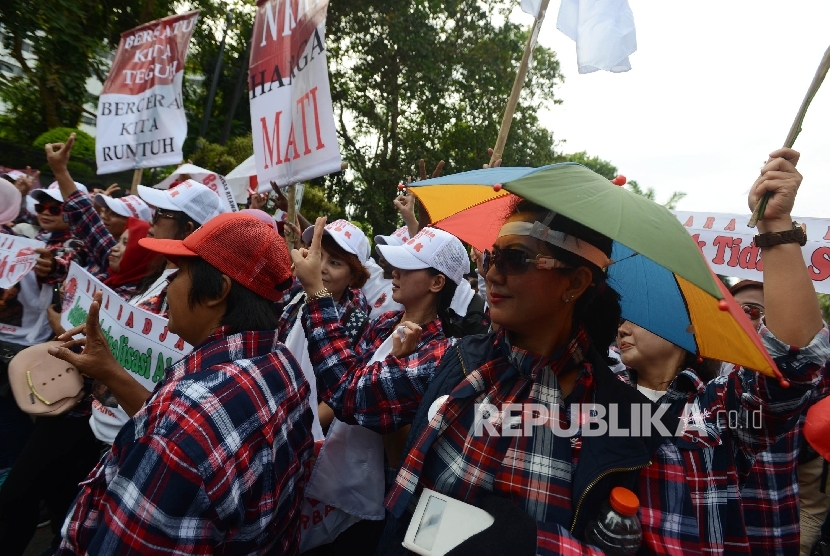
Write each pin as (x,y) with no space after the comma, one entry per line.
(714,88)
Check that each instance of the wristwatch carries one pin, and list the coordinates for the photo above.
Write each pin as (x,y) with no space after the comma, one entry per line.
(317,295)
(796,235)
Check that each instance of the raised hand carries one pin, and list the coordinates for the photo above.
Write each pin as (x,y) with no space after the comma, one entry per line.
(57,154)
(308,262)
(258,201)
(496,164)
(45,264)
(26,183)
(780,178)
(405,339)
(96,360)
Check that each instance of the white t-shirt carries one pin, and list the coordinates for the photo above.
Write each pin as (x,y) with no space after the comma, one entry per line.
(297,344)
(23,312)
(653,395)
(107,418)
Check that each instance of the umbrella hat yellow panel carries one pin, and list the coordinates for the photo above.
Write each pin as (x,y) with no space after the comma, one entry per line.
(722,335)
(442,201)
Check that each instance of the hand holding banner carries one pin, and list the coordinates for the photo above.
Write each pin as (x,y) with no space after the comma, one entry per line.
(291,111)
(17,258)
(139,340)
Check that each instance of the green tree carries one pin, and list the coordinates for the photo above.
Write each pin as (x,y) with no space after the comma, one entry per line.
(84,143)
(70,39)
(423,79)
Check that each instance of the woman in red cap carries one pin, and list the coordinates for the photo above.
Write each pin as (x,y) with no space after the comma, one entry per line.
(212,461)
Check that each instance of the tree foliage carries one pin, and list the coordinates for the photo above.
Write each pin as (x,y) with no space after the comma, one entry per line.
(84,142)
(424,79)
(70,40)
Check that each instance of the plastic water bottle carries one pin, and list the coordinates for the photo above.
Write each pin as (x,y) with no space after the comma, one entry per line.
(616,530)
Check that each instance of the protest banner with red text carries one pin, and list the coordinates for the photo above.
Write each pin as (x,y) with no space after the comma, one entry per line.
(17,258)
(291,112)
(141,120)
(727,244)
(138,339)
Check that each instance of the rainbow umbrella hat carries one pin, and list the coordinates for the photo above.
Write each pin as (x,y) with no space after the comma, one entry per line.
(665,284)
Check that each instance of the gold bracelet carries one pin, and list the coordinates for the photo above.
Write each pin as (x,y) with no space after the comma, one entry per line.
(322,293)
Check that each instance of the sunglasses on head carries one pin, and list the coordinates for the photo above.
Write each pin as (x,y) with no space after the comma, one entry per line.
(54,210)
(510,262)
(753,310)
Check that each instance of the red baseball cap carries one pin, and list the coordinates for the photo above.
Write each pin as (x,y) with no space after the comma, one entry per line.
(240,246)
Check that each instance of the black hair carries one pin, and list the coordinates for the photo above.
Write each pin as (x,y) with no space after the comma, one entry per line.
(246,310)
(598,308)
(445,314)
(157,268)
(182,220)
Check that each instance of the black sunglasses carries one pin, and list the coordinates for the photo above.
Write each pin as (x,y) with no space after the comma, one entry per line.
(161,214)
(510,262)
(54,210)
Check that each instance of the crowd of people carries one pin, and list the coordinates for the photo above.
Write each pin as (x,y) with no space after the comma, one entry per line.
(355,376)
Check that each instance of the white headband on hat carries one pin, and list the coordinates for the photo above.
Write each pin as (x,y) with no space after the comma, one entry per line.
(569,243)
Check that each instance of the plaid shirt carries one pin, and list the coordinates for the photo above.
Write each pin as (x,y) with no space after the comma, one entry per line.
(534,473)
(359,394)
(352,311)
(719,451)
(770,496)
(66,249)
(86,225)
(212,463)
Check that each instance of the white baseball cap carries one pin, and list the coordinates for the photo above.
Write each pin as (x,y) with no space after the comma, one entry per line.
(347,235)
(129,206)
(434,248)
(54,192)
(398,237)
(197,201)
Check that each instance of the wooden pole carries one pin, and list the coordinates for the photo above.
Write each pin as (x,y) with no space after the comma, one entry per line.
(290,239)
(136,180)
(518,83)
(795,129)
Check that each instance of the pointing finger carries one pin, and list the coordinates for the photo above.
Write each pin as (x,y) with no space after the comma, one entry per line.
(316,242)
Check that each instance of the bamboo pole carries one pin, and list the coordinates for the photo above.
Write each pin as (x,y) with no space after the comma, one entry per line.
(518,83)
(136,180)
(290,239)
(795,129)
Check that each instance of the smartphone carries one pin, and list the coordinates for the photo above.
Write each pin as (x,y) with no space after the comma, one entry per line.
(441,523)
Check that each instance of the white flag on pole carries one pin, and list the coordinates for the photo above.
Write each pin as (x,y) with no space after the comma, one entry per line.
(531,7)
(603,31)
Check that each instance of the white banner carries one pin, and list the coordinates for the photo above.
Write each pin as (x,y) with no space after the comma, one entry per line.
(138,339)
(141,120)
(291,112)
(727,244)
(17,258)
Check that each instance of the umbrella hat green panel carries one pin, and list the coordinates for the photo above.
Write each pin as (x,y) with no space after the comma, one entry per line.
(638,223)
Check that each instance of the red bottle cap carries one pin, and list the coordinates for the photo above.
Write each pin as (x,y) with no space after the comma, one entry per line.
(624,501)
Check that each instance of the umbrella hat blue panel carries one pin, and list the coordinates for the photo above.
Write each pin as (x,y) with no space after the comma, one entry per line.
(650,297)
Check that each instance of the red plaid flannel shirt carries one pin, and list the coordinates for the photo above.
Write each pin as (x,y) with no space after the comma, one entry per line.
(358,394)
(66,249)
(770,496)
(720,449)
(212,463)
